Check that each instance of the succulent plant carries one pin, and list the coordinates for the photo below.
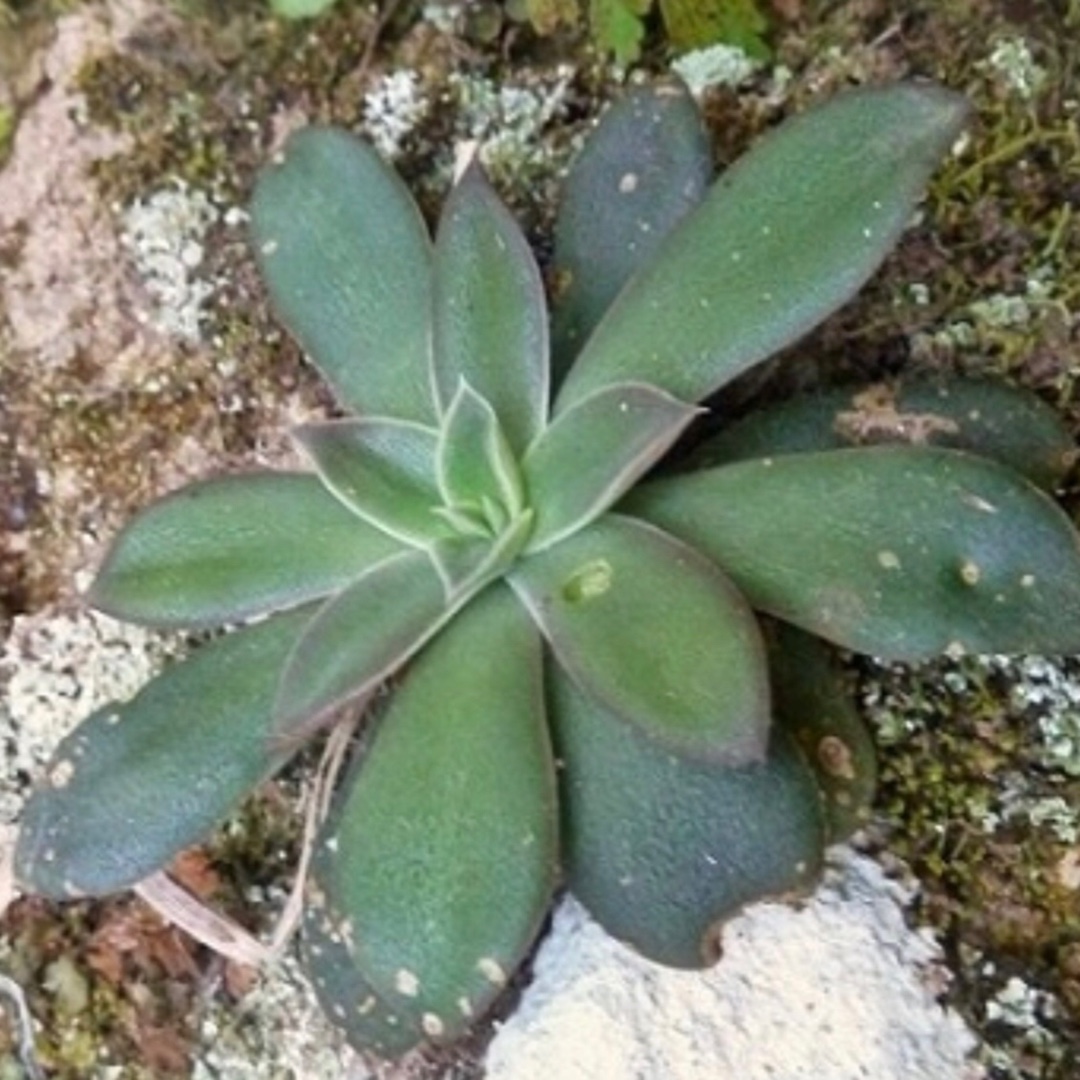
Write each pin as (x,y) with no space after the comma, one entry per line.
(577,688)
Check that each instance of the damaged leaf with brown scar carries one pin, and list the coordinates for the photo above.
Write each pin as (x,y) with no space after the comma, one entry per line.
(573,675)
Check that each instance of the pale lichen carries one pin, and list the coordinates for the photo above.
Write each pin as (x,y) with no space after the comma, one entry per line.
(55,671)
(718,65)
(165,235)
(1012,64)
(276,1032)
(393,107)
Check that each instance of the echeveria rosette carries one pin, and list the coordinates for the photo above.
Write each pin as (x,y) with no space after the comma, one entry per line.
(475,534)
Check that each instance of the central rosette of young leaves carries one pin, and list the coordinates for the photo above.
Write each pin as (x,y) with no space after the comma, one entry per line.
(453,456)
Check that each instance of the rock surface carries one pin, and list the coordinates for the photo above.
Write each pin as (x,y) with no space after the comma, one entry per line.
(839,990)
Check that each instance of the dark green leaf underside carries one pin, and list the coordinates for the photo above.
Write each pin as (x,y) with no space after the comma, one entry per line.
(662,849)
(814,703)
(992,419)
(644,167)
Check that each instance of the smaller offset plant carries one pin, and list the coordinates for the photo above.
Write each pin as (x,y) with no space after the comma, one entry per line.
(578,690)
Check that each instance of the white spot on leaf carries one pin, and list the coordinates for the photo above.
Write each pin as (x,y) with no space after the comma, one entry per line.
(492,970)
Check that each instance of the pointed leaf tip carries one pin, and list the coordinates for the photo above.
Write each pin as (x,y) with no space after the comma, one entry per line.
(473,459)
(644,167)
(594,452)
(490,310)
(135,783)
(225,549)
(787,235)
(381,469)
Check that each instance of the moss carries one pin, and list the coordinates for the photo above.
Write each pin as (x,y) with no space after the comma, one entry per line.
(973,806)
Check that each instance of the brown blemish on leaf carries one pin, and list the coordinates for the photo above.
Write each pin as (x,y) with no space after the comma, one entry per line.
(712,943)
(875,417)
(970,573)
(835,757)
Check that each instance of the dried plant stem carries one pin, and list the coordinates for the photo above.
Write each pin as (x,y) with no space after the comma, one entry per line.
(27,1056)
(175,904)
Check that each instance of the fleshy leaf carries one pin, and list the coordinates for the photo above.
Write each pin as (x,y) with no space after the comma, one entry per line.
(662,849)
(225,549)
(136,783)
(347,259)
(594,452)
(382,469)
(784,238)
(490,312)
(463,562)
(656,633)
(816,707)
(439,861)
(644,167)
(993,419)
(474,460)
(358,638)
(900,552)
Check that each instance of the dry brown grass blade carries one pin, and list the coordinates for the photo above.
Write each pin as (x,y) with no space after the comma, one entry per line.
(175,904)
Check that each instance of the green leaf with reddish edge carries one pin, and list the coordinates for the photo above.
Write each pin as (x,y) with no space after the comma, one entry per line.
(644,167)
(439,861)
(474,461)
(813,702)
(992,419)
(346,257)
(490,313)
(594,452)
(655,632)
(662,848)
(225,549)
(900,552)
(358,638)
(136,783)
(381,469)
(784,238)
